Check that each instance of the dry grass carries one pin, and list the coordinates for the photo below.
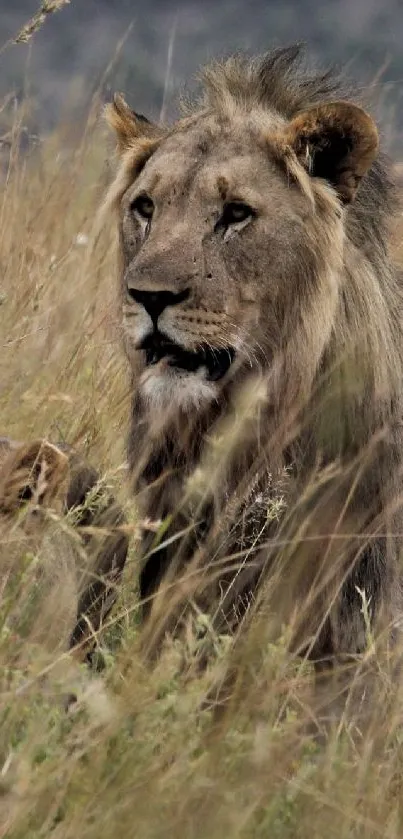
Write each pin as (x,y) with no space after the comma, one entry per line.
(46,8)
(137,757)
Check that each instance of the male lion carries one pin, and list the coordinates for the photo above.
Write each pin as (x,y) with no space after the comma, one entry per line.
(263,325)
(79,567)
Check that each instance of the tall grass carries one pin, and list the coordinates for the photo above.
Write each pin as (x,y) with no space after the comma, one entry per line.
(46,8)
(141,754)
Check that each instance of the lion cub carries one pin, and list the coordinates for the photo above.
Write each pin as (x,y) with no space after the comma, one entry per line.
(62,548)
(37,472)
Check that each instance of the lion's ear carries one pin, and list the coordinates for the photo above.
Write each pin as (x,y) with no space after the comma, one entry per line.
(336,141)
(127,125)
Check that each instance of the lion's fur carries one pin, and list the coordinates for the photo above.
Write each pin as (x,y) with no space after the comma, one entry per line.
(49,496)
(319,382)
(37,472)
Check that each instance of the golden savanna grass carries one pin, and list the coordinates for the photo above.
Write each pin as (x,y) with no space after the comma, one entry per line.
(141,754)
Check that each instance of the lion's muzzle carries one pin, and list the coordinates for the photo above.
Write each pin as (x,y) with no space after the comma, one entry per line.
(158,347)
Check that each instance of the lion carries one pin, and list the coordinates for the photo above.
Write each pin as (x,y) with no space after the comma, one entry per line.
(53,504)
(37,472)
(262,320)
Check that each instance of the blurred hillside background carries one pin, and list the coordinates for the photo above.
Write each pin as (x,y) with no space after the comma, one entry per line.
(68,57)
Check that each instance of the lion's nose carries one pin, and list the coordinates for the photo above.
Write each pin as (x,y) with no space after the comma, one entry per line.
(155,302)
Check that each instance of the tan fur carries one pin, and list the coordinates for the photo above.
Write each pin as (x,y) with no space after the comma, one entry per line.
(77,571)
(36,471)
(317,124)
(304,292)
(128,125)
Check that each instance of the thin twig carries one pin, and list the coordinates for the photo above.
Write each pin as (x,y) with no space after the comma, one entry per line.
(168,73)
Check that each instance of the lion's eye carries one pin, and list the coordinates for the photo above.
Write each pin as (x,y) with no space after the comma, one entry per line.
(143,205)
(235,212)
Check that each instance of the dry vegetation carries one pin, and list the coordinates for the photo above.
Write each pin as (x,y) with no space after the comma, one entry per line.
(138,755)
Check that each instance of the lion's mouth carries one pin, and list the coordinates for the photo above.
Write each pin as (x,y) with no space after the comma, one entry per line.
(216,361)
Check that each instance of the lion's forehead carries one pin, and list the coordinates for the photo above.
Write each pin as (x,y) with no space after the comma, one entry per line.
(201,160)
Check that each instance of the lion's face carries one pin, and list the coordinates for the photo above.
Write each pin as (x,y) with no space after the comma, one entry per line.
(225,239)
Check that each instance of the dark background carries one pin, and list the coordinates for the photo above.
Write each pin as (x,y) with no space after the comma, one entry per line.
(69,55)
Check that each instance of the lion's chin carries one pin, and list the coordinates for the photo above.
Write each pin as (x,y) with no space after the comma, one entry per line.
(175,377)
(166,388)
